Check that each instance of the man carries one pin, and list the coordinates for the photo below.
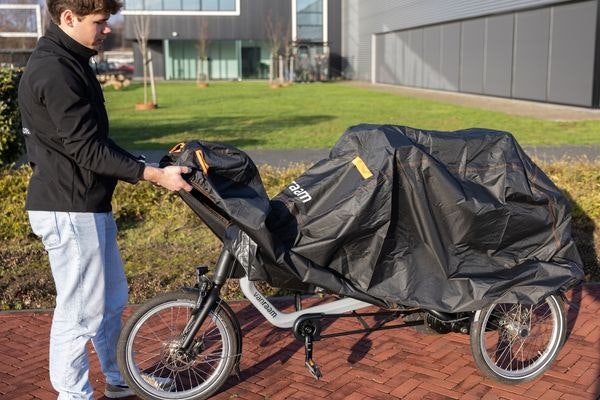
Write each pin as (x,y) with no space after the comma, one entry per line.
(75,170)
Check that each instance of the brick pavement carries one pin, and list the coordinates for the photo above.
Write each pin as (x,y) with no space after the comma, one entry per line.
(394,364)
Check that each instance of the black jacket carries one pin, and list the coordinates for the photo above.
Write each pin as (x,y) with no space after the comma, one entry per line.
(75,164)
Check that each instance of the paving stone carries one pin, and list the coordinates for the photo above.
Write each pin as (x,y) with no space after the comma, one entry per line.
(393,364)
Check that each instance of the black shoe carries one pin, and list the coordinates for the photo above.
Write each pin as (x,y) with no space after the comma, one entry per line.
(117,391)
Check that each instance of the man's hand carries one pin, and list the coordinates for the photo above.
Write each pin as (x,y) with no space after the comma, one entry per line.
(168,177)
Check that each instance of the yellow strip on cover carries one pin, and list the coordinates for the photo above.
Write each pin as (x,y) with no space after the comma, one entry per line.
(362,168)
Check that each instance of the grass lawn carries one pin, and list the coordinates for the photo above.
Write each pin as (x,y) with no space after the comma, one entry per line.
(252,115)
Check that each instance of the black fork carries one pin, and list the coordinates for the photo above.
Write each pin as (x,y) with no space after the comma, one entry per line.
(208,297)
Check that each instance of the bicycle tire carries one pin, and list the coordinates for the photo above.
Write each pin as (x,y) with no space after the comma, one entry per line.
(149,355)
(516,343)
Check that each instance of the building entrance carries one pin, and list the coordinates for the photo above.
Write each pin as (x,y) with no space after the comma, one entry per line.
(251,65)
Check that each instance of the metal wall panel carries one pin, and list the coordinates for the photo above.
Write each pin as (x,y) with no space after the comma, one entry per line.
(530,70)
(392,15)
(390,58)
(431,57)
(400,38)
(544,54)
(450,56)
(472,48)
(387,15)
(379,52)
(571,59)
(413,58)
(334,32)
(350,38)
(386,59)
(498,55)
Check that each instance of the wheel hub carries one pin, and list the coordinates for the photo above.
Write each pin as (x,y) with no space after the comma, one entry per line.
(523,333)
(175,358)
(517,323)
(516,329)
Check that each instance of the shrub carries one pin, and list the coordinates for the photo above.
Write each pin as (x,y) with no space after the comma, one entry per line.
(11,140)
(580,182)
(13,219)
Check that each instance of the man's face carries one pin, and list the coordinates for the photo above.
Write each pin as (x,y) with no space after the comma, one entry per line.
(90,30)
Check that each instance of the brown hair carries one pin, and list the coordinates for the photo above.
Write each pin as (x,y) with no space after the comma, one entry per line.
(81,8)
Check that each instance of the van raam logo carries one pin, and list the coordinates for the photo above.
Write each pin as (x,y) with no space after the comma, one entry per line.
(300,192)
(265,304)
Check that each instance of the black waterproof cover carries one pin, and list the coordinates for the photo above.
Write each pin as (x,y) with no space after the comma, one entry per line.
(449,221)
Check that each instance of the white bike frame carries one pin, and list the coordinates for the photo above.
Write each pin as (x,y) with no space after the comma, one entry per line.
(286,320)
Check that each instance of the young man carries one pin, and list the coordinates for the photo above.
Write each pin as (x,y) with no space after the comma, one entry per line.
(75,170)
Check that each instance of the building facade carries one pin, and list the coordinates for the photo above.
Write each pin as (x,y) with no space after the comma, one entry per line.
(238,39)
(542,50)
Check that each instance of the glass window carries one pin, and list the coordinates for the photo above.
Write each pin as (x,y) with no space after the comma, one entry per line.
(172,4)
(311,33)
(309,6)
(153,5)
(190,5)
(184,5)
(210,5)
(134,4)
(18,20)
(227,5)
(309,17)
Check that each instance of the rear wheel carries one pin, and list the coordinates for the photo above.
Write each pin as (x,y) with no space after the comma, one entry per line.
(515,343)
(151,358)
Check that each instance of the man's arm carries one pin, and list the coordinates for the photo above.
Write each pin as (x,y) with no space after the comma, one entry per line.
(168,177)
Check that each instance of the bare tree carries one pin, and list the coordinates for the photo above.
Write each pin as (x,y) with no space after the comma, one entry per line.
(141,26)
(288,50)
(203,72)
(274,36)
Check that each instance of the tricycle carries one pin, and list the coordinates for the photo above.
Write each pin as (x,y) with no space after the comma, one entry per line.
(185,344)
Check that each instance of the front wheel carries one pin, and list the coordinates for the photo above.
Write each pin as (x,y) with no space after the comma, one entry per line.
(515,343)
(151,358)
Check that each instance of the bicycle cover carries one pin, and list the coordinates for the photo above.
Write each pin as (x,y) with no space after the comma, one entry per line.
(449,221)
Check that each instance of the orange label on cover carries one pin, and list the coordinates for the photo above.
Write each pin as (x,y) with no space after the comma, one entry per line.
(201,161)
(177,148)
(362,168)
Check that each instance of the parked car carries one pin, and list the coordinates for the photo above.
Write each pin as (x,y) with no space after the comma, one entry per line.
(111,68)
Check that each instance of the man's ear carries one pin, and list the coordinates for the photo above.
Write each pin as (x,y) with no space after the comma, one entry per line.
(66,18)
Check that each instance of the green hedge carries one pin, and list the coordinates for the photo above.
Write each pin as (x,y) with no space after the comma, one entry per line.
(11,140)
(161,240)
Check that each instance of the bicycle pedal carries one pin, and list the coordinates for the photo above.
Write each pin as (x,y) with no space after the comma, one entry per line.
(314,369)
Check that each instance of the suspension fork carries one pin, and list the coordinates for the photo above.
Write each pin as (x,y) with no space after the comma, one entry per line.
(222,269)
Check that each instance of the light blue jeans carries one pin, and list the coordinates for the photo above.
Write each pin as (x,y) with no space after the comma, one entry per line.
(91,292)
